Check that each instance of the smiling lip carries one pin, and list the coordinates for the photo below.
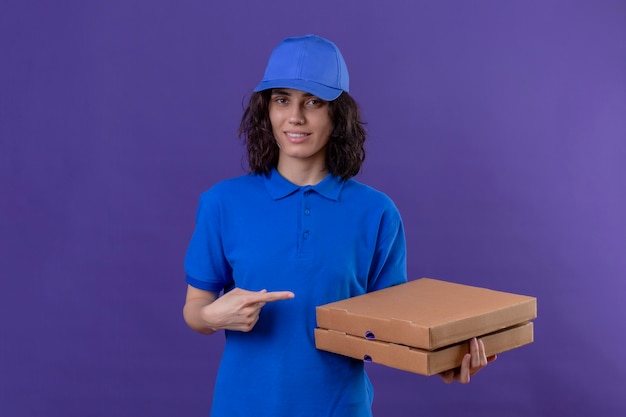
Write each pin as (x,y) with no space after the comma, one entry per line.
(297,137)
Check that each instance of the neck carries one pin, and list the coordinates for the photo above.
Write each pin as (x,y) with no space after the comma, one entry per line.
(302,174)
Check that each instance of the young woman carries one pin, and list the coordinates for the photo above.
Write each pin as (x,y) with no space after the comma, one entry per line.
(295,233)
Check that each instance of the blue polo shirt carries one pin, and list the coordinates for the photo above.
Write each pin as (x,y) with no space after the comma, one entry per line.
(326,242)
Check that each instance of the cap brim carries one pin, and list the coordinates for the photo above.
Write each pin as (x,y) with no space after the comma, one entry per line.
(318,90)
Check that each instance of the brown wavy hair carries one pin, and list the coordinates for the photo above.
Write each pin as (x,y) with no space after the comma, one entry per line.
(345,151)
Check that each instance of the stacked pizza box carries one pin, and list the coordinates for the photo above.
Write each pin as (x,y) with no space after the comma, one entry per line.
(423,326)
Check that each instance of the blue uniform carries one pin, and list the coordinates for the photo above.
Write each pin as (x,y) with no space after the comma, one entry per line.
(326,242)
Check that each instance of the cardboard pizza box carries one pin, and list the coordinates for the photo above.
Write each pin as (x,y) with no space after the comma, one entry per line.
(427,313)
(419,361)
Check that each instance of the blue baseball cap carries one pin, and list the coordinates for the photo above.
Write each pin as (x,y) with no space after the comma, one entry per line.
(309,63)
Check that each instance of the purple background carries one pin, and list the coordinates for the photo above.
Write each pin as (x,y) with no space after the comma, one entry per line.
(498,127)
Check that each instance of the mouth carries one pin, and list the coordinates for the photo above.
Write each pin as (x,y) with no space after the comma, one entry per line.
(296,136)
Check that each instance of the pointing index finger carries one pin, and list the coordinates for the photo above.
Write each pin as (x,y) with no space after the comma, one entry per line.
(263,296)
(276,296)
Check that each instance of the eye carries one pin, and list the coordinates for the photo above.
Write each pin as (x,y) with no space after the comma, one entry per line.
(315,102)
(280,100)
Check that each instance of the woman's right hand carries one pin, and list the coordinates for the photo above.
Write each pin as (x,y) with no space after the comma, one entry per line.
(238,309)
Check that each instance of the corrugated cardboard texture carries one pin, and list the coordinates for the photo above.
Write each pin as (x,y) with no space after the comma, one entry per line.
(419,361)
(427,313)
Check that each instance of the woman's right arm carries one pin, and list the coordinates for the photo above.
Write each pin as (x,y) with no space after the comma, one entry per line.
(206,312)
(194,311)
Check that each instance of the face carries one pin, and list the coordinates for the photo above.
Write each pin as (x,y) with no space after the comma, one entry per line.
(302,126)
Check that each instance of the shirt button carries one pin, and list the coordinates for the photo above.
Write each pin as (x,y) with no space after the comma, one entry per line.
(306,234)
(307,211)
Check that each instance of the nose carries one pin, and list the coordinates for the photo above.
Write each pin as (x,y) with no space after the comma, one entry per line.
(297,115)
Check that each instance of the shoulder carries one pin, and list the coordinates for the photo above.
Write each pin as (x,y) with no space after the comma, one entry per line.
(361,193)
(230,192)
(370,204)
(232,187)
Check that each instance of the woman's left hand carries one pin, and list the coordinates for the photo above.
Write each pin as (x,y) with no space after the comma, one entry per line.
(472,362)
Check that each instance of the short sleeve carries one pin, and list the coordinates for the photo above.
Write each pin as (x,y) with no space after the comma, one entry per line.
(389,263)
(206,266)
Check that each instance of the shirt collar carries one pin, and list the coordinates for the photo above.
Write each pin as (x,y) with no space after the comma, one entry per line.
(279,187)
